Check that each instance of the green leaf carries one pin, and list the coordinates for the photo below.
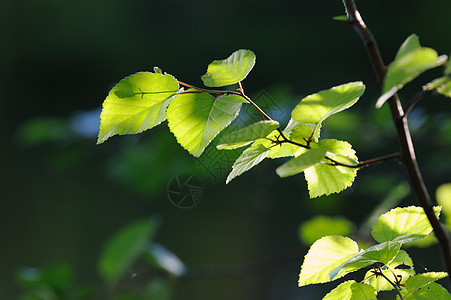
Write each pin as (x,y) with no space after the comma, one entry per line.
(403,225)
(295,131)
(411,60)
(380,253)
(402,265)
(431,291)
(231,70)
(124,248)
(410,44)
(304,131)
(251,157)
(298,164)
(137,103)
(247,135)
(324,256)
(351,290)
(445,88)
(443,195)
(317,107)
(324,179)
(418,281)
(320,226)
(196,118)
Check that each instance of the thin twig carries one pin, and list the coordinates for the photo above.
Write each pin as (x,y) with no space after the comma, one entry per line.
(402,128)
(242,94)
(416,98)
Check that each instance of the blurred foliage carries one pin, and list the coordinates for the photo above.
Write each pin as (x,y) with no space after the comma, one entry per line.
(320,226)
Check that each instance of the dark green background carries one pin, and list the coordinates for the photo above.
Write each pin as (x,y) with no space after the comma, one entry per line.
(63,198)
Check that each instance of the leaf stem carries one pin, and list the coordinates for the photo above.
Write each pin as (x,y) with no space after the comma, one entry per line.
(391,282)
(368,162)
(416,98)
(242,94)
(402,128)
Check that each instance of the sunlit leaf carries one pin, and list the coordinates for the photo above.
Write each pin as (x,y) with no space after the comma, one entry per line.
(298,164)
(231,70)
(420,280)
(125,247)
(403,225)
(431,291)
(380,253)
(410,44)
(320,226)
(317,107)
(251,157)
(137,103)
(352,290)
(324,179)
(196,118)
(245,136)
(411,60)
(303,132)
(324,256)
(442,85)
(402,265)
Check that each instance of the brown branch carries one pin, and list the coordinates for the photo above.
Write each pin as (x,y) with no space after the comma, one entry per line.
(402,128)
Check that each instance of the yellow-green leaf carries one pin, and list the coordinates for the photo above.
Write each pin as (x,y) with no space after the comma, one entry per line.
(352,290)
(196,118)
(137,103)
(231,70)
(317,107)
(324,256)
(324,179)
(403,225)
(245,136)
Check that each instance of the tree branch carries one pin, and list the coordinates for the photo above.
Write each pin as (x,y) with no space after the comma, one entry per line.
(402,128)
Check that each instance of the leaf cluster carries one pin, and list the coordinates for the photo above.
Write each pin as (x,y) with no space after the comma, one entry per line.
(333,257)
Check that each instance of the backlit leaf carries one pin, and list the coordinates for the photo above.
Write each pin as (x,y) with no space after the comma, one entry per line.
(324,256)
(442,85)
(317,107)
(383,253)
(402,265)
(298,164)
(137,103)
(247,135)
(251,157)
(352,290)
(231,70)
(403,225)
(324,179)
(420,280)
(196,118)
(431,291)
(411,60)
